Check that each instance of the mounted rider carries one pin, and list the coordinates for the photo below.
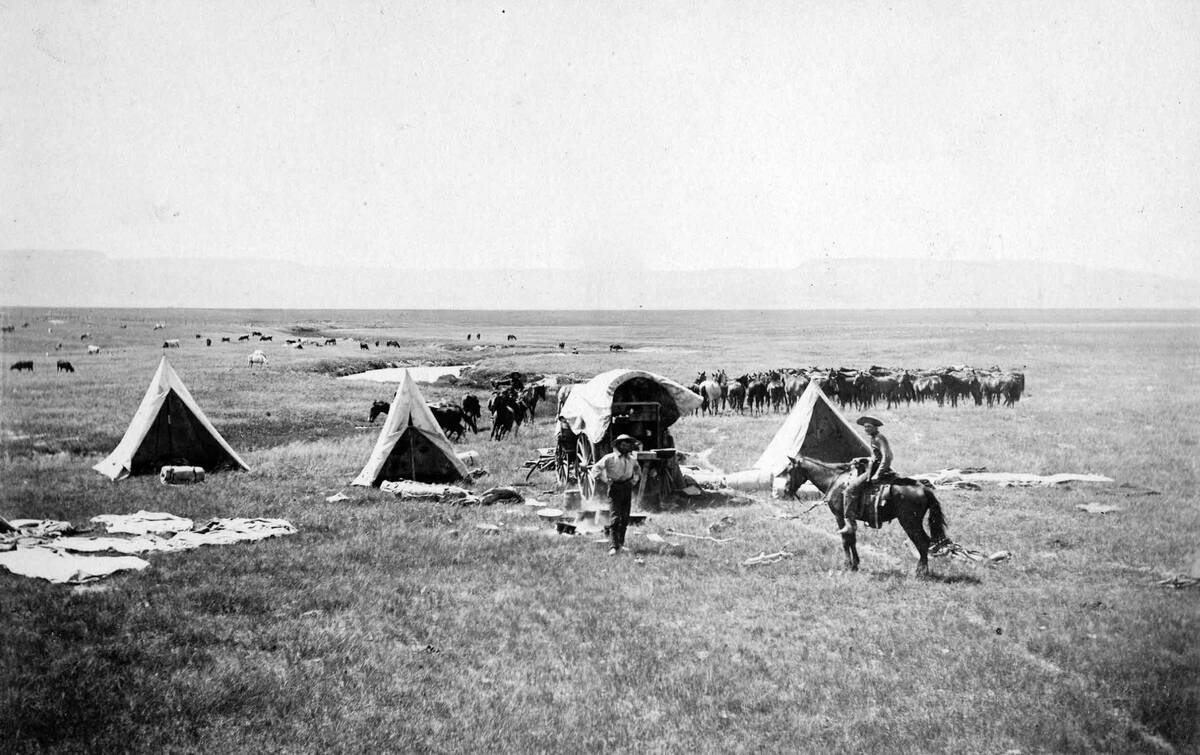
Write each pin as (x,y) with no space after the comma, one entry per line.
(879,468)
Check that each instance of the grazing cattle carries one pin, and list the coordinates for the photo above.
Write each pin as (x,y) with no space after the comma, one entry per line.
(331,342)
(208,342)
(377,344)
(11,328)
(266,338)
(199,336)
(58,347)
(172,343)
(562,345)
(510,337)
(614,347)
(25,366)
(471,411)
(159,325)
(85,336)
(244,337)
(394,343)
(478,337)
(65,366)
(377,408)
(468,336)
(364,347)
(93,349)
(256,333)
(224,339)
(451,420)
(258,358)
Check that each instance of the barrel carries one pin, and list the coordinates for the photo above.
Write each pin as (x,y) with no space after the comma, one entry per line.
(180,475)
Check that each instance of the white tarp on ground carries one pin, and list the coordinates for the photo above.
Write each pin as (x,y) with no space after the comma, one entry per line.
(144,522)
(181,431)
(813,428)
(588,409)
(47,557)
(63,568)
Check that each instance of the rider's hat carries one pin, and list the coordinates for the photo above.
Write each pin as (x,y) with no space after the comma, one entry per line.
(868,420)
(622,437)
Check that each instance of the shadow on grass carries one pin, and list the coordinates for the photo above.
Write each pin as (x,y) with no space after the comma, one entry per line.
(944,579)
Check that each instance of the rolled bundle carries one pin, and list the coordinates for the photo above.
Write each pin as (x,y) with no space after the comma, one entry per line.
(180,475)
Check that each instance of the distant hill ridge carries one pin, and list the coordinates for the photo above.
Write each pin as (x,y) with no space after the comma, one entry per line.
(93,279)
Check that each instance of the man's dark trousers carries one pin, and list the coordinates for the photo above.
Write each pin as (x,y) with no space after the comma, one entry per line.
(620,498)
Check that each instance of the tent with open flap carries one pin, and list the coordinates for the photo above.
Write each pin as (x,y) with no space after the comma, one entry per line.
(813,428)
(168,428)
(411,444)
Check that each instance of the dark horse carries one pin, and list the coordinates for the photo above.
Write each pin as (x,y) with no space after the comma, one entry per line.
(379,407)
(908,502)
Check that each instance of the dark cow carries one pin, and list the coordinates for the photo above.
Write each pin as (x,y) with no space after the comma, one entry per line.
(615,347)
(471,411)
(8,328)
(266,338)
(331,342)
(256,332)
(199,336)
(85,336)
(562,345)
(24,366)
(244,337)
(65,366)
(510,337)
(224,339)
(451,420)
(208,342)
(395,344)
(364,347)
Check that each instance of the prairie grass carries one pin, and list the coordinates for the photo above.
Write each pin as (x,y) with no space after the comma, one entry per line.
(397,626)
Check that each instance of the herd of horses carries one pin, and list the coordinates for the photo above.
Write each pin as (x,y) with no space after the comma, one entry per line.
(510,405)
(777,390)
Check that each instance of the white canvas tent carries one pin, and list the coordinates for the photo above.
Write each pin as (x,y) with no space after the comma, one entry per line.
(168,428)
(813,428)
(411,445)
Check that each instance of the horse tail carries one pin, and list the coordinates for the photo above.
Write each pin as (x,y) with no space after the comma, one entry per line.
(937,519)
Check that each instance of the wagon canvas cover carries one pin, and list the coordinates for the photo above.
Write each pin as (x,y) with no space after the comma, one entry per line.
(411,445)
(813,428)
(588,408)
(168,428)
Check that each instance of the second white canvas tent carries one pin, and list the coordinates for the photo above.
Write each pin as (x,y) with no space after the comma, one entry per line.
(813,428)
(168,428)
(411,444)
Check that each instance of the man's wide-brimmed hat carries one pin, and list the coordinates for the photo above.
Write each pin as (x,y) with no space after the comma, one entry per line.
(868,420)
(622,437)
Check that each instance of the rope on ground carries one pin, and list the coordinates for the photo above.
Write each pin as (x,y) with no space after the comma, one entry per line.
(767,558)
(970,555)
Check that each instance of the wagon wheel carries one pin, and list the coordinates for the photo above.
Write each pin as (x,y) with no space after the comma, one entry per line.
(563,468)
(586,459)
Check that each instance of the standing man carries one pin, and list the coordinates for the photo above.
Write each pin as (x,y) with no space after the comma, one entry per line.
(880,467)
(620,469)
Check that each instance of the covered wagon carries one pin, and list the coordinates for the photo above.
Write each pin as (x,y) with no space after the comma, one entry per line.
(629,402)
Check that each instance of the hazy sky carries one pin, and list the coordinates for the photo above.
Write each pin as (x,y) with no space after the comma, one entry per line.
(568,134)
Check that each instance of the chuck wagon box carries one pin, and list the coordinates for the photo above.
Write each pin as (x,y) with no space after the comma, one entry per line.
(635,403)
